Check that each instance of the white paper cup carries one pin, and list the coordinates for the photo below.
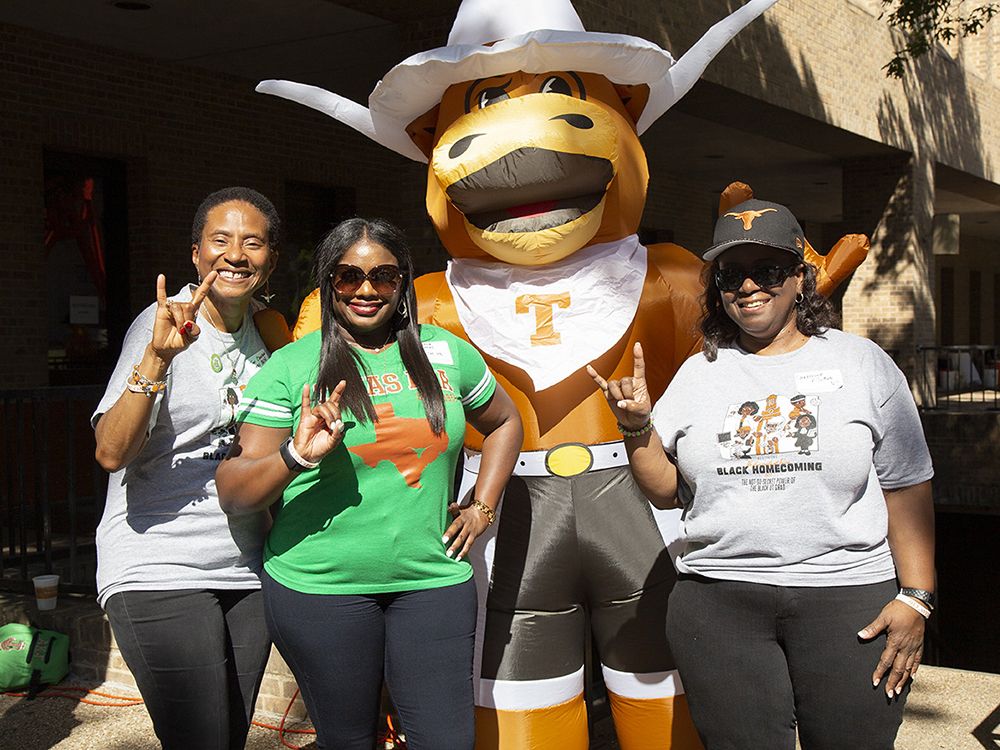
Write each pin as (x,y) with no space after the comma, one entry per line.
(46,591)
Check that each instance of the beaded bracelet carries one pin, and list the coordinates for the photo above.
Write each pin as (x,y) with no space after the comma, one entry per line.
(139,383)
(635,433)
(490,513)
(914,603)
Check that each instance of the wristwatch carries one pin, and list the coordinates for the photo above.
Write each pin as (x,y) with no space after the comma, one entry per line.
(924,596)
(291,462)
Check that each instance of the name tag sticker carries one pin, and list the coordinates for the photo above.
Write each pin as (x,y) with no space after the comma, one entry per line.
(258,359)
(438,352)
(819,381)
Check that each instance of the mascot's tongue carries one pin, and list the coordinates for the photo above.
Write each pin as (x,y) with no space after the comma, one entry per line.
(531,209)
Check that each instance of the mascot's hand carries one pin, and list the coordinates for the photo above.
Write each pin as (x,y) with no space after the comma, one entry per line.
(842,260)
(628,397)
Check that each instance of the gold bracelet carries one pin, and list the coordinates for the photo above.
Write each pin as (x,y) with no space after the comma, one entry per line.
(481,506)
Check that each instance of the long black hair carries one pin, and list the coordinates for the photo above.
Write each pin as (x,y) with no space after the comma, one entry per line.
(337,359)
(813,314)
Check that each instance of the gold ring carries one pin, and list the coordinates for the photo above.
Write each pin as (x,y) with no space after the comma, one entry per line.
(168,303)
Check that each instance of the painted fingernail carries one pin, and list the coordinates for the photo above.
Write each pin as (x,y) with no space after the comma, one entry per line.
(444,540)
(875,682)
(458,559)
(448,553)
(899,689)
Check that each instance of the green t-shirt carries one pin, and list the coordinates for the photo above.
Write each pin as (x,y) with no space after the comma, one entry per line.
(369,519)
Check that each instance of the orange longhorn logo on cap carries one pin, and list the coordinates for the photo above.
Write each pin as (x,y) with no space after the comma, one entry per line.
(749,216)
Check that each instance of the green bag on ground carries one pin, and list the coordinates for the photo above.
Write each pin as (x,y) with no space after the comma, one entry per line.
(30,657)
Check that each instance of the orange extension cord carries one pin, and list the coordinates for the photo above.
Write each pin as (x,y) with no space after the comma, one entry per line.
(390,738)
(56,692)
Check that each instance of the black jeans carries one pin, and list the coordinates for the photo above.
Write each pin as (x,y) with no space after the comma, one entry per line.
(339,646)
(198,658)
(757,661)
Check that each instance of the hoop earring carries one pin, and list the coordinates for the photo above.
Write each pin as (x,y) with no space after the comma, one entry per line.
(799,297)
(401,308)
(266,294)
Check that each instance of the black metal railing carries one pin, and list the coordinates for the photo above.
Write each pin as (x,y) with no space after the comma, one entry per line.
(52,489)
(963,376)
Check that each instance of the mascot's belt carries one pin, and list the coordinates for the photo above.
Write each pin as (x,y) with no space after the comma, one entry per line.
(566,460)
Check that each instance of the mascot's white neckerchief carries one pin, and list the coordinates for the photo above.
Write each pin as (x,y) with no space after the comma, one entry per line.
(586,301)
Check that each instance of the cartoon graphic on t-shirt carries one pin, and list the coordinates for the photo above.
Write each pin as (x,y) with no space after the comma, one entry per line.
(805,432)
(798,407)
(771,425)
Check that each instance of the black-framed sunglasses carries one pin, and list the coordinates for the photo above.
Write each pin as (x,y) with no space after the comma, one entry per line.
(348,279)
(731,278)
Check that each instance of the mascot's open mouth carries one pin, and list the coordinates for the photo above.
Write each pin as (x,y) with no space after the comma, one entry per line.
(532,189)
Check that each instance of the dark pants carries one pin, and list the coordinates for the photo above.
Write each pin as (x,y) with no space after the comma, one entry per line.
(339,646)
(198,658)
(758,660)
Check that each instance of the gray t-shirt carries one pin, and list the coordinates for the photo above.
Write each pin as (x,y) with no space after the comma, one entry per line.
(783,459)
(162,526)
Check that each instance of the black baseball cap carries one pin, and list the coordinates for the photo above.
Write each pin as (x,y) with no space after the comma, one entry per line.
(756,222)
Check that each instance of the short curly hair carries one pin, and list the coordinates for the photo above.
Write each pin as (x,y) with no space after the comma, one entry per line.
(246,195)
(813,314)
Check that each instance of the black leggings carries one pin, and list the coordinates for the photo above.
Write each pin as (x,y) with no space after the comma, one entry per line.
(339,646)
(759,661)
(198,658)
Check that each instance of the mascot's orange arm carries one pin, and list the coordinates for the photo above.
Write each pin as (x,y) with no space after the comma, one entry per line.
(273,328)
(309,319)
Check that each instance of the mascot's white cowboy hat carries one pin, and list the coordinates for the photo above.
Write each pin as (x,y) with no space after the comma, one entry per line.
(496,37)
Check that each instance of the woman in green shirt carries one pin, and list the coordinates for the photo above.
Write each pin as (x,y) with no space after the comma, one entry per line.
(353,434)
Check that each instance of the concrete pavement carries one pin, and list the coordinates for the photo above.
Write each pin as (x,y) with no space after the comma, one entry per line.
(948,709)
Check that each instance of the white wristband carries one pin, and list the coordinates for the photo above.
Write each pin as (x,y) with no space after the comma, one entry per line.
(917,605)
(298,459)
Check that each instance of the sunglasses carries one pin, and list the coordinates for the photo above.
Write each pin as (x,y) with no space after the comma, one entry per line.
(731,278)
(348,279)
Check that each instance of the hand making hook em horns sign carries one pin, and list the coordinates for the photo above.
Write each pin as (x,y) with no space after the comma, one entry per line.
(175,325)
(321,428)
(628,397)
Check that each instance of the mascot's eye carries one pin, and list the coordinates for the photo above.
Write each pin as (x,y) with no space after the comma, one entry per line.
(556,85)
(492,96)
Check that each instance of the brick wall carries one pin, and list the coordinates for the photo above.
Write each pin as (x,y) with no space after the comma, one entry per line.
(181,133)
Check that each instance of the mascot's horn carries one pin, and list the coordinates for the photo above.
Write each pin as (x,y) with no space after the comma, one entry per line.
(535,36)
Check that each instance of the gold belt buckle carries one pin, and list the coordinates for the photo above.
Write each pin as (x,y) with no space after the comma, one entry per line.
(569,459)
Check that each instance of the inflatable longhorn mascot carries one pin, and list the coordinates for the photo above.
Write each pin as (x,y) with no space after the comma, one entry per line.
(536,184)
